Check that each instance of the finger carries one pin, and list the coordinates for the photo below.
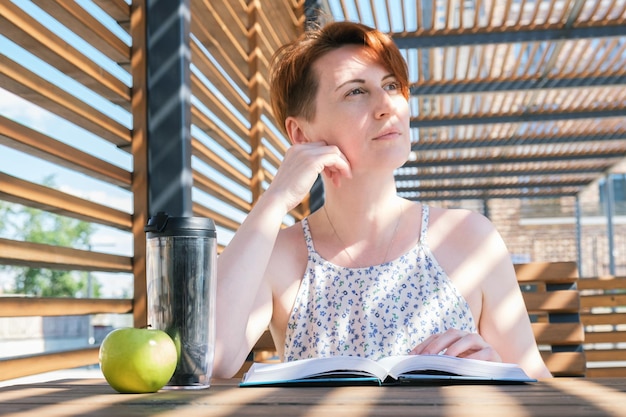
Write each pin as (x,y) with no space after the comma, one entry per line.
(473,346)
(334,175)
(485,354)
(440,342)
(432,345)
(338,163)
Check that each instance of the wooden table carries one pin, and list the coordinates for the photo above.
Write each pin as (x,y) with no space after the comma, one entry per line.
(93,397)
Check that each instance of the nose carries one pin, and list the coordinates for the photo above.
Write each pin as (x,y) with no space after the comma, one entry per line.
(383,104)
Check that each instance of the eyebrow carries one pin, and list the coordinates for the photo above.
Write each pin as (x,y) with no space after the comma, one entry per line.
(361,81)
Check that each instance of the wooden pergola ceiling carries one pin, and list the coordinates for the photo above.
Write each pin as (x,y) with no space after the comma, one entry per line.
(509,99)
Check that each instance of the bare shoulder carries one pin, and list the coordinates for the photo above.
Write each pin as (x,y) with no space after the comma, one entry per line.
(288,257)
(460,226)
(290,237)
(468,247)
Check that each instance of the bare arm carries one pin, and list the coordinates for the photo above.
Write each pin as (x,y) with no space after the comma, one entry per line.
(504,322)
(244,300)
(244,295)
(482,267)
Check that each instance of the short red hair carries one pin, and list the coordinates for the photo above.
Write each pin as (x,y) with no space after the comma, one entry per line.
(293,84)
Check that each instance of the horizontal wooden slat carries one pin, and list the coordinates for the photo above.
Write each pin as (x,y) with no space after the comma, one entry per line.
(218,79)
(553,301)
(89,28)
(119,10)
(35,37)
(14,252)
(218,163)
(27,140)
(559,333)
(609,300)
(549,272)
(22,82)
(226,47)
(605,355)
(31,365)
(45,198)
(590,319)
(218,218)
(218,108)
(229,144)
(565,363)
(204,183)
(602,283)
(612,372)
(605,337)
(45,306)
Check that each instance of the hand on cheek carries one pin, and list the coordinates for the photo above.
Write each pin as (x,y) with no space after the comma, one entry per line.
(335,172)
(333,175)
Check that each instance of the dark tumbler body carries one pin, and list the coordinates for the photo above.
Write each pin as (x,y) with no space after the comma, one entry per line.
(181,261)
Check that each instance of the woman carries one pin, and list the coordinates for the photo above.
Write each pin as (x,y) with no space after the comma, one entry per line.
(370,273)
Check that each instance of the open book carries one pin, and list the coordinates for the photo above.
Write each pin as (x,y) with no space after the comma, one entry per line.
(354,370)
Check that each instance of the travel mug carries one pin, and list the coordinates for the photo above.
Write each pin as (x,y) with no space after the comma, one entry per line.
(181,261)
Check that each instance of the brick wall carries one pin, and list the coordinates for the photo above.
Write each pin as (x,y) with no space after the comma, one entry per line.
(545,230)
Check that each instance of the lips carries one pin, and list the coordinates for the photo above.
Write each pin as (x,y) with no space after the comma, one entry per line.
(387,134)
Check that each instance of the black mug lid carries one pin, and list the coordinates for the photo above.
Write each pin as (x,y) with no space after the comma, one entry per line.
(164,225)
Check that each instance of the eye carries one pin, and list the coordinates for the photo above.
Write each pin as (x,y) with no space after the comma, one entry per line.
(392,86)
(355,92)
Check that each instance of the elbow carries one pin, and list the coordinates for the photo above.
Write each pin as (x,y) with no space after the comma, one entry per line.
(223,371)
(226,363)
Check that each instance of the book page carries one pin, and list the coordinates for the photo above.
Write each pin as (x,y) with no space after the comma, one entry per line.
(314,367)
(398,365)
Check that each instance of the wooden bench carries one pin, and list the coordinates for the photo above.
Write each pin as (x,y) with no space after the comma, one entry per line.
(553,303)
(603,312)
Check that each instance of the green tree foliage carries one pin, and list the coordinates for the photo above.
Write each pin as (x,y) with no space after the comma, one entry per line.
(38,226)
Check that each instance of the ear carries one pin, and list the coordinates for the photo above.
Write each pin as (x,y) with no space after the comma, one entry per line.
(295,130)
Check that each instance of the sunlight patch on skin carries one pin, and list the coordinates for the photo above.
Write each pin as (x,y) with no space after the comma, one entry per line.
(503,312)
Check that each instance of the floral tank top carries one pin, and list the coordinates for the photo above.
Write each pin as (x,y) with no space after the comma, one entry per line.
(376,311)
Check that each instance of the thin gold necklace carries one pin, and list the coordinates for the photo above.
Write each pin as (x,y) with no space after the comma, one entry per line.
(345,247)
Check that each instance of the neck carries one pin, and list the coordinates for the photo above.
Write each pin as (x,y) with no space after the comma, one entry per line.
(363,198)
(360,225)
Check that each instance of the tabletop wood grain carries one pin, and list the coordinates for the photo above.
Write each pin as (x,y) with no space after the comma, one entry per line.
(569,397)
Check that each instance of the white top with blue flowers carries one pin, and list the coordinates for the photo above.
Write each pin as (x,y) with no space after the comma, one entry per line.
(377,311)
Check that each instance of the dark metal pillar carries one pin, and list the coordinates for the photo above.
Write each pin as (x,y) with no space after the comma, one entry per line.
(169,107)
(609,204)
(312,11)
(579,236)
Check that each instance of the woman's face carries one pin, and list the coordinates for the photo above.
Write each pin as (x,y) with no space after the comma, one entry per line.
(359,107)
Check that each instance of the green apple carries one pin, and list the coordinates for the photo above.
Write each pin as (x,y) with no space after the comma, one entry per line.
(174,333)
(137,360)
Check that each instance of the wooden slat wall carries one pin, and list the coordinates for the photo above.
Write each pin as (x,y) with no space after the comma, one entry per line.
(31,33)
(603,306)
(231,49)
(235,147)
(553,302)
